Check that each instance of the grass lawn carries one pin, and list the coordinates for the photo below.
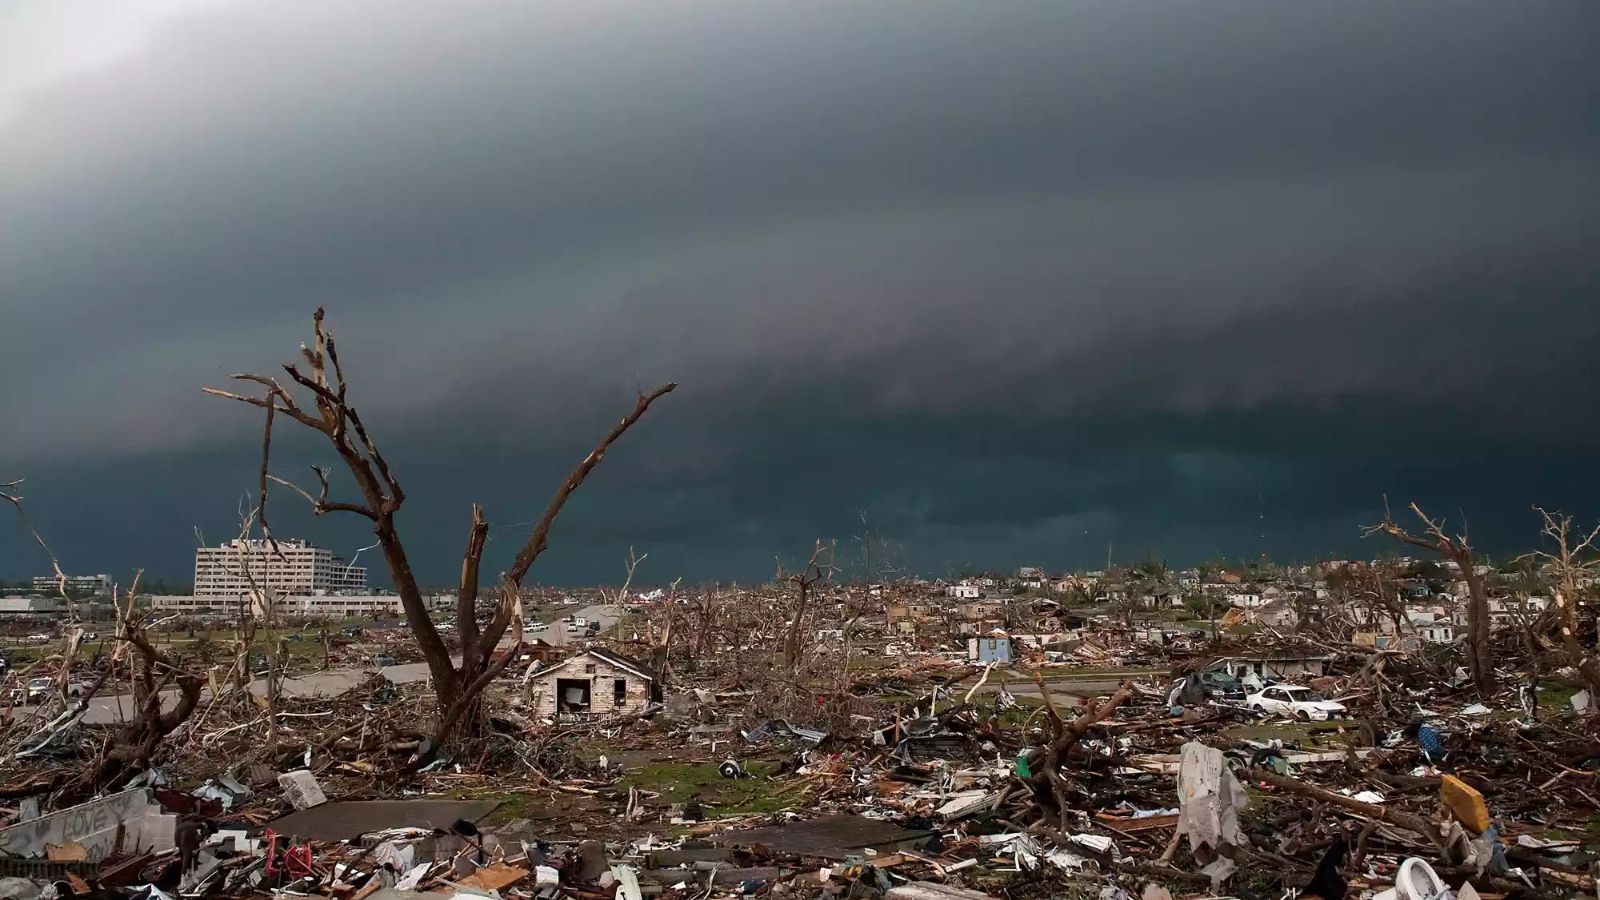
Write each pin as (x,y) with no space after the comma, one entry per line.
(680,782)
(1071,673)
(1286,730)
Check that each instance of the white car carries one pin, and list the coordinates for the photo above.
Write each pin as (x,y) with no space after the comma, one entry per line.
(1295,702)
(39,689)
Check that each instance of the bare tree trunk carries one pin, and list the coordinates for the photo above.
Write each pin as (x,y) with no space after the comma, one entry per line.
(819,569)
(1571,568)
(1480,658)
(456,689)
(791,642)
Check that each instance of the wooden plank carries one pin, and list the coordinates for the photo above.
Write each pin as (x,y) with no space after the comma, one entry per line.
(927,890)
(1130,825)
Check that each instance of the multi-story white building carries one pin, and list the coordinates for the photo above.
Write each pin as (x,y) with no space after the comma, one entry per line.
(241,567)
(311,606)
(95,585)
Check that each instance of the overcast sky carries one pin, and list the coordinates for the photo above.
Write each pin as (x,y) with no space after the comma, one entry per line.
(1009,281)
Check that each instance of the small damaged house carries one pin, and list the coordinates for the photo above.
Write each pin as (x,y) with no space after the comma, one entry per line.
(994,648)
(596,683)
(1279,613)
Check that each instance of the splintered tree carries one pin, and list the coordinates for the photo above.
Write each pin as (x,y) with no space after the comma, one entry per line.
(457,688)
(1570,566)
(152,673)
(1456,548)
(1052,793)
(818,570)
(155,672)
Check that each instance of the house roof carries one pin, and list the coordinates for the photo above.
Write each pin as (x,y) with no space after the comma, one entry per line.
(1273,657)
(610,656)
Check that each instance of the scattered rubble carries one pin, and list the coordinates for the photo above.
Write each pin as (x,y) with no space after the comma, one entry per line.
(1115,762)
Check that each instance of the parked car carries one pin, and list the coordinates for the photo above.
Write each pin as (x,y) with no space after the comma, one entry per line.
(39,689)
(1297,702)
(383,660)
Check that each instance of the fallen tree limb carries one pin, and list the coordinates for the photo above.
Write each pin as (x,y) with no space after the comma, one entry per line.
(1371,810)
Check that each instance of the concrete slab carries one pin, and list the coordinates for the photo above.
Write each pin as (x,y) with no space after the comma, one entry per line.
(346,819)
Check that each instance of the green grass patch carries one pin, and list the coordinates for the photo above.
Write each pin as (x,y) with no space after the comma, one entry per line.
(1022,712)
(1556,699)
(513,806)
(680,782)
(1303,733)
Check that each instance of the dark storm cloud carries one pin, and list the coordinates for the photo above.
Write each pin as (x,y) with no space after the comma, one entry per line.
(996,274)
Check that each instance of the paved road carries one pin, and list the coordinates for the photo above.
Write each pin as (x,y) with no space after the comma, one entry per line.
(1063,692)
(607,614)
(106,710)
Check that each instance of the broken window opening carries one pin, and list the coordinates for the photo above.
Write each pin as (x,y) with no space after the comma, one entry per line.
(572,695)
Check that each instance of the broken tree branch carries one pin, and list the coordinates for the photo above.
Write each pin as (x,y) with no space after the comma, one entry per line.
(539,539)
